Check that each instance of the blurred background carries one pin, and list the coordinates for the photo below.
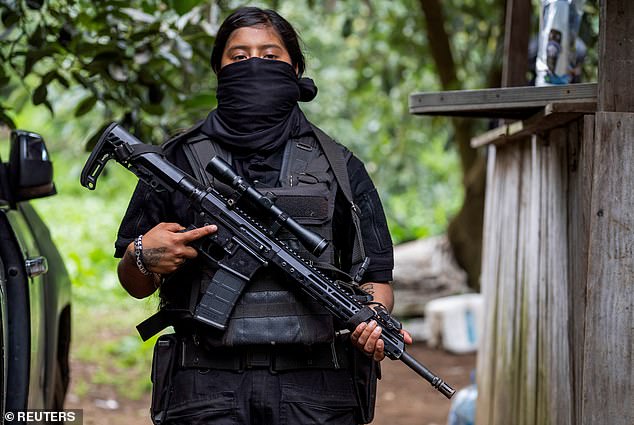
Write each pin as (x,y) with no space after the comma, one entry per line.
(70,67)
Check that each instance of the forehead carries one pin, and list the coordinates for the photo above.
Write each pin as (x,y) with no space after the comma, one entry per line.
(254,36)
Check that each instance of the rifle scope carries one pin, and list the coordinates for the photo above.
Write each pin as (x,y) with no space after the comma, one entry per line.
(221,170)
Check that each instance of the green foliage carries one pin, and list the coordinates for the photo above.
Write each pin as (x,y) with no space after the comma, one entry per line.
(132,59)
(364,68)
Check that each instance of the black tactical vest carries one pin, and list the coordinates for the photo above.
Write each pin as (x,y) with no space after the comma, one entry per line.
(268,311)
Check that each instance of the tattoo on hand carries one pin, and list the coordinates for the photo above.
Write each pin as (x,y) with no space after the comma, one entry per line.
(152,256)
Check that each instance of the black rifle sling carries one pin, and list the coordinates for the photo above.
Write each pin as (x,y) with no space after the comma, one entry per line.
(198,149)
(338,164)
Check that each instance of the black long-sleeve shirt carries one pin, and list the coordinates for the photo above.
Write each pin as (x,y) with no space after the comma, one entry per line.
(147,208)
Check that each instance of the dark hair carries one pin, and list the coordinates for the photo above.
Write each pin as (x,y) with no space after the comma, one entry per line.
(253,17)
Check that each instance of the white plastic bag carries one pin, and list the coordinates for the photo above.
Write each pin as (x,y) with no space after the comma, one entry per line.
(557,59)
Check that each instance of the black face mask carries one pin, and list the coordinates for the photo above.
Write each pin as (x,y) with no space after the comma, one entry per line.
(257,105)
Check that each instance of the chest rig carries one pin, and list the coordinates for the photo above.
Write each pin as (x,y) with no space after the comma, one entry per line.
(268,311)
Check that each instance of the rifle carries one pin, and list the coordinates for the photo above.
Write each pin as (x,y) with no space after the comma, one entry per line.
(246,244)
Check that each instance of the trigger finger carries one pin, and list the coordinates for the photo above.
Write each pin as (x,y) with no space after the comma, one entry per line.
(199,232)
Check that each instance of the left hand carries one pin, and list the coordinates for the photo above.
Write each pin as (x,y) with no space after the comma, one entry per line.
(366,338)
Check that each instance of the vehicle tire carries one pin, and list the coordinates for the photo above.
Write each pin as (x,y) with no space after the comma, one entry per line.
(61,377)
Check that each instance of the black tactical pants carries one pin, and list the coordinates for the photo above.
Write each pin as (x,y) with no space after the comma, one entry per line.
(259,396)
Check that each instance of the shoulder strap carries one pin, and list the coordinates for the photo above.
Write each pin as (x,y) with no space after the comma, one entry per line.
(182,135)
(335,154)
(337,160)
(199,150)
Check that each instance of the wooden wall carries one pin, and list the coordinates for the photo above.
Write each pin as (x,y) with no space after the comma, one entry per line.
(533,278)
(558,277)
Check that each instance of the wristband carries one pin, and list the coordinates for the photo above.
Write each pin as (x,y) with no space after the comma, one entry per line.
(138,255)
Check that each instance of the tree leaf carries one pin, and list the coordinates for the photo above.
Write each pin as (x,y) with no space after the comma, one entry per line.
(5,119)
(49,106)
(37,37)
(346,29)
(49,76)
(85,106)
(33,56)
(183,48)
(9,18)
(62,80)
(39,95)
(34,4)
(85,82)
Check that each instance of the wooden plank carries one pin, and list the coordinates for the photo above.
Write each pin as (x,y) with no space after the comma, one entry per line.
(527,273)
(551,116)
(543,314)
(609,338)
(616,56)
(580,163)
(557,282)
(532,291)
(486,361)
(490,137)
(505,377)
(509,102)
(553,384)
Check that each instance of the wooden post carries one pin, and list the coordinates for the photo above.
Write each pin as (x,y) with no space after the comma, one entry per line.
(616,56)
(608,368)
(516,37)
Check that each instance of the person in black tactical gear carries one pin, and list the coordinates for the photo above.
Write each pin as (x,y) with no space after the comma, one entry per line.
(281,359)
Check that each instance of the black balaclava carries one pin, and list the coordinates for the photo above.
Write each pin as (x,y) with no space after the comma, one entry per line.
(257,106)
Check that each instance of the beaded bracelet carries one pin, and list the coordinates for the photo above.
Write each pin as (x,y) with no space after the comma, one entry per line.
(138,254)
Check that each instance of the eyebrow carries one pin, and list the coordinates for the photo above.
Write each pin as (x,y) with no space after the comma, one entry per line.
(264,46)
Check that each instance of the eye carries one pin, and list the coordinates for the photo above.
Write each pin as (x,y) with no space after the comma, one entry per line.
(238,57)
(270,56)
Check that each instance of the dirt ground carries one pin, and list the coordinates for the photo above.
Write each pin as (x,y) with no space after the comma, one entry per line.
(404,397)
